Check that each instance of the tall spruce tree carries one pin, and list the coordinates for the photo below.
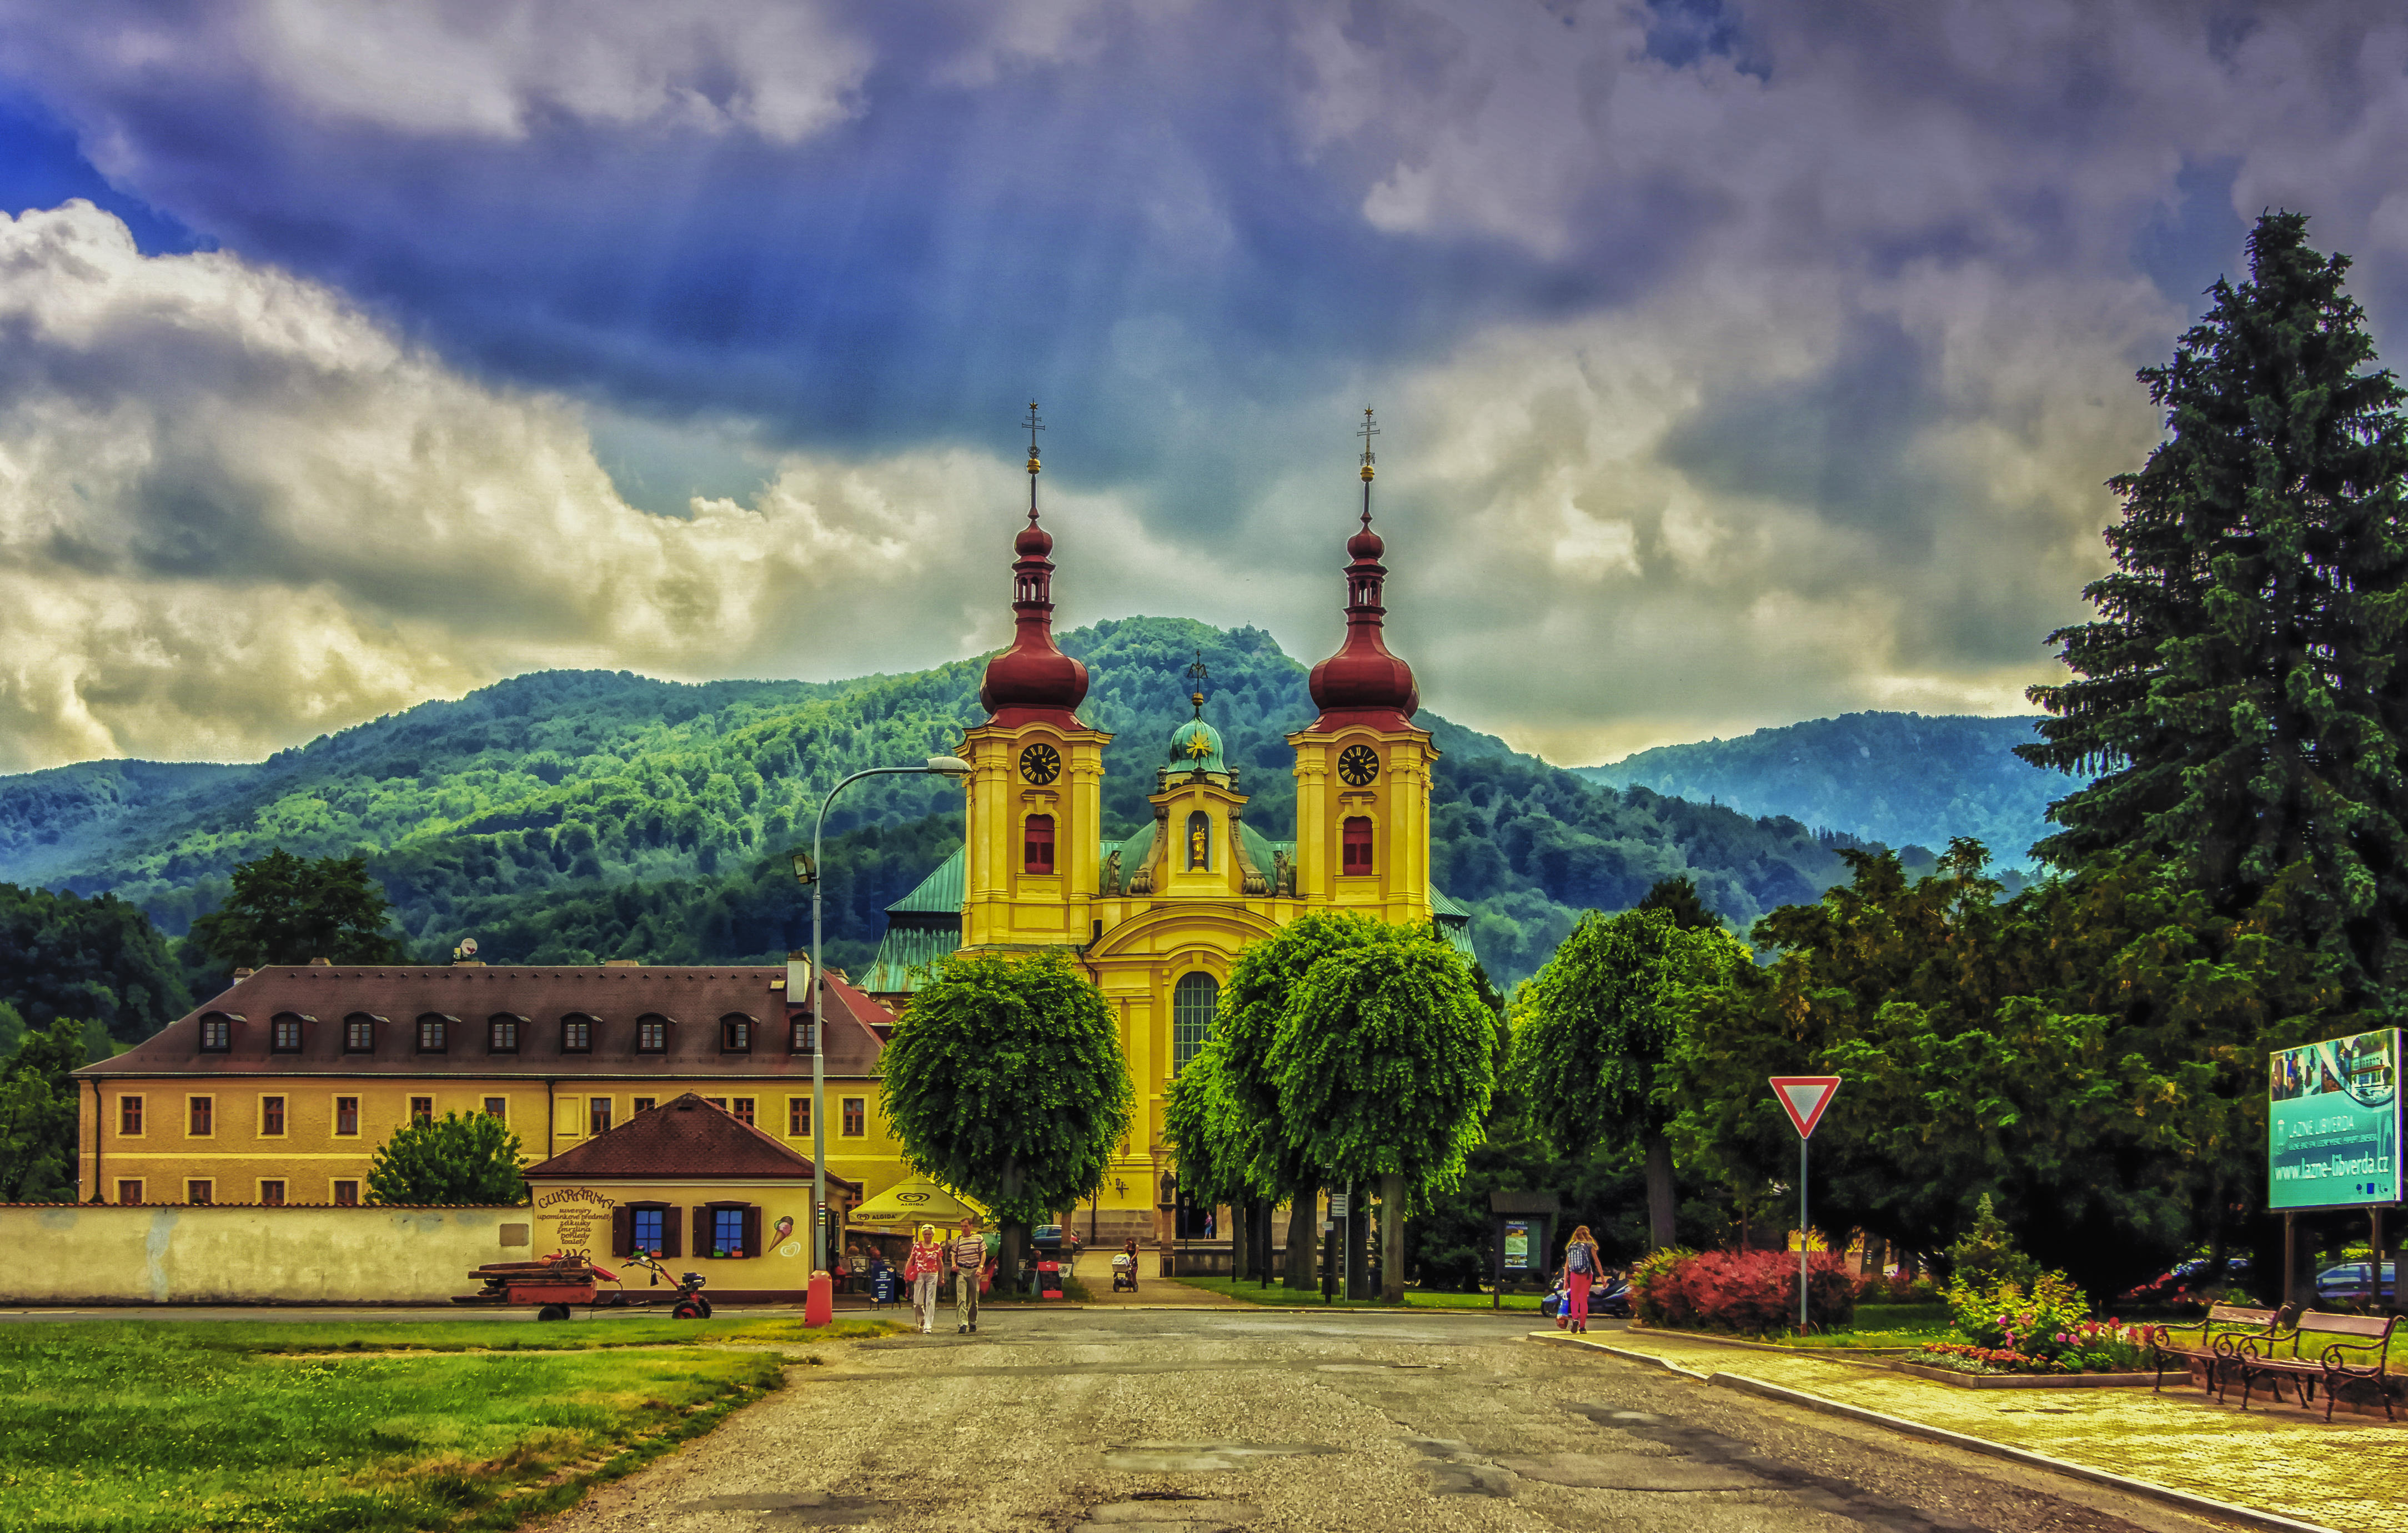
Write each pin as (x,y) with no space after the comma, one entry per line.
(2240,691)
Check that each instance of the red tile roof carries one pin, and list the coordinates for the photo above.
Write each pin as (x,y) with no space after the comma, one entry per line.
(686,1138)
(693,1000)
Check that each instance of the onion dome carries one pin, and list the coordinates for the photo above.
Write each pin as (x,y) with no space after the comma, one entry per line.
(1195,747)
(1033,681)
(1363,683)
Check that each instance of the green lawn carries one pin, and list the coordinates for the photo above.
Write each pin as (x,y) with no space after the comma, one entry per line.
(144,1425)
(1415,1298)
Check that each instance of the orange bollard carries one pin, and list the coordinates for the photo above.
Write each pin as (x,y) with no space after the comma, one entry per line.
(819,1303)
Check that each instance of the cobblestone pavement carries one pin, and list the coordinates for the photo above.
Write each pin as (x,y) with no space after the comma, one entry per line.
(1192,1421)
(2351,1475)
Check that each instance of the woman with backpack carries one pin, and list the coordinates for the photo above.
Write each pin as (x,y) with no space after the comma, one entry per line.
(1582,1267)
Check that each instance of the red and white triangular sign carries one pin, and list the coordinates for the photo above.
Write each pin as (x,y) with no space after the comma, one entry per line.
(1804,1097)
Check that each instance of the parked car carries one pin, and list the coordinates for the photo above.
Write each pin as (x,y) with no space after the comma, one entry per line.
(1055,1240)
(2353,1282)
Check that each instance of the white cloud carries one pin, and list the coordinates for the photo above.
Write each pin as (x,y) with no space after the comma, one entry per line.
(235,511)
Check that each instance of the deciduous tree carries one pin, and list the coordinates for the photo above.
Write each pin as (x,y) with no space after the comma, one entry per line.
(1006,1080)
(1594,1027)
(37,1113)
(287,910)
(1385,1059)
(455,1159)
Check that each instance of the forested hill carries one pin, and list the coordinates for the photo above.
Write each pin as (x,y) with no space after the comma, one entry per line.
(1899,778)
(570,816)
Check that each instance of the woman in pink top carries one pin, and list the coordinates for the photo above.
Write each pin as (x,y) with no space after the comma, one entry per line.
(920,1273)
(1582,1267)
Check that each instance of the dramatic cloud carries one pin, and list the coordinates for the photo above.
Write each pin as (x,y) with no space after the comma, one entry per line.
(234,510)
(1746,361)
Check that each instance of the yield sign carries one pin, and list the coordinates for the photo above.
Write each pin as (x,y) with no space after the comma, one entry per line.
(1804,1097)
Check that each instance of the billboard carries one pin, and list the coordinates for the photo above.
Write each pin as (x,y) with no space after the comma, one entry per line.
(2332,1136)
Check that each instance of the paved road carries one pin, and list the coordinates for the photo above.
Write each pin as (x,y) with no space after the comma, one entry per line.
(1186,1421)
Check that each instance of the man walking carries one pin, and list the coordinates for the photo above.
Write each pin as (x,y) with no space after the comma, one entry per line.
(967,1254)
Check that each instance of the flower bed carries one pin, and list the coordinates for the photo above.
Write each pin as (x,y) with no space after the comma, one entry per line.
(2047,1328)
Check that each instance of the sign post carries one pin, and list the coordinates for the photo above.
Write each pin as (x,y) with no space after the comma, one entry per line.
(1804,1097)
(2333,1130)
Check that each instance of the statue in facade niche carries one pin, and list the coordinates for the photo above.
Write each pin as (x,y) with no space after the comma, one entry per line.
(1112,874)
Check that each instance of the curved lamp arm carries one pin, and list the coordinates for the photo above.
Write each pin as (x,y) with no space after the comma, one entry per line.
(952,767)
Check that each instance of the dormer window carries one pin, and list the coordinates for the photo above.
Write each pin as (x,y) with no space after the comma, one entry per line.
(735,1033)
(1036,845)
(652,1035)
(217,1033)
(284,1033)
(502,1034)
(1355,848)
(577,1034)
(802,1035)
(358,1032)
(433,1034)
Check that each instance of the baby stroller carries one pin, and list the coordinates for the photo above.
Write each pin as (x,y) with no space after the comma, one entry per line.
(1558,1299)
(1123,1273)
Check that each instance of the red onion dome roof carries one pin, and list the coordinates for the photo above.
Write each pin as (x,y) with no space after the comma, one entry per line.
(1033,679)
(1363,683)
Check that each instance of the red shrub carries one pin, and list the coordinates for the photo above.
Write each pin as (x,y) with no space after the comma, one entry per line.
(1754,1292)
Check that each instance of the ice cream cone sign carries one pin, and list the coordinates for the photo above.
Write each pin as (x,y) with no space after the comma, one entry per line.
(786,1227)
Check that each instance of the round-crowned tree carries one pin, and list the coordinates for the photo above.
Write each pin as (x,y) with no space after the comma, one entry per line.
(1595,1025)
(1006,1080)
(1386,1058)
(454,1159)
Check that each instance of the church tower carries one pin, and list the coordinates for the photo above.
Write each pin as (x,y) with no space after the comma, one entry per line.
(1034,794)
(1362,767)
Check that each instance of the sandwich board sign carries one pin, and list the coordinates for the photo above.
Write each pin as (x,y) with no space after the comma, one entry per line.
(1804,1097)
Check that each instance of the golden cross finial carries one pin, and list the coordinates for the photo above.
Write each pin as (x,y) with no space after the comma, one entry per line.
(1197,672)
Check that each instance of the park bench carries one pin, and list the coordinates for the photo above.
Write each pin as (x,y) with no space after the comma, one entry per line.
(2221,1336)
(2323,1352)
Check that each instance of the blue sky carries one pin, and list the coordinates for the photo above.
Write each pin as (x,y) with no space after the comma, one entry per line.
(1742,363)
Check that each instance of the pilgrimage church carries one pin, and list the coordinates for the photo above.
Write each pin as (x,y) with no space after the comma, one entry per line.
(1160,919)
(277,1093)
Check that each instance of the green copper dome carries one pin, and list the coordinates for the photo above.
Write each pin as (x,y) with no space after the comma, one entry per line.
(1197,747)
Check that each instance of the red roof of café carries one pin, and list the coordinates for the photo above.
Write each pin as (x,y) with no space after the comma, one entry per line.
(686,1138)
(693,999)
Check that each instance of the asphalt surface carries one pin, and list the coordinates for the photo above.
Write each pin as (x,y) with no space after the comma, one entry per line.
(1190,1421)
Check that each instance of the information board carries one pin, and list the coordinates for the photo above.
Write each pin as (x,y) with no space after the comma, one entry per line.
(1518,1244)
(2332,1128)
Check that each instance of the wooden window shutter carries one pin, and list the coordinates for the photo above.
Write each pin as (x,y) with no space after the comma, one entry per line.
(622,1231)
(752,1229)
(702,1229)
(670,1243)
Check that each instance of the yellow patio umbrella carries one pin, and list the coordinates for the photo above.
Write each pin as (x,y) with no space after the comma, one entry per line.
(914,1202)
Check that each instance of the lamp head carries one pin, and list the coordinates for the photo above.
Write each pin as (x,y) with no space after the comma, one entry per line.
(948,766)
(805,873)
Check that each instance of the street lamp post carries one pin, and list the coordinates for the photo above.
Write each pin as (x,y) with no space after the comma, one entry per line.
(953,766)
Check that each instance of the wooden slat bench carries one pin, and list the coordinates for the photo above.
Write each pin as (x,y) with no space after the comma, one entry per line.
(2220,1338)
(2324,1352)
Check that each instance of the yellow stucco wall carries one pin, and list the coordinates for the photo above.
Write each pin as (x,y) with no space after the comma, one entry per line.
(84,1254)
(575,1217)
(309,1158)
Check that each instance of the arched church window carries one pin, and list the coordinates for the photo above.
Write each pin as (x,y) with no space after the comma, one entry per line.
(1036,845)
(1195,1001)
(1354,846)
(1199,842)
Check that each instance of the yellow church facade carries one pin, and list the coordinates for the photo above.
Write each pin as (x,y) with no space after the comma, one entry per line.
(1158,919)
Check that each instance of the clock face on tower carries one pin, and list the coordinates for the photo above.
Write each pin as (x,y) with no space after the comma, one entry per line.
(1358,765)
(1041,764)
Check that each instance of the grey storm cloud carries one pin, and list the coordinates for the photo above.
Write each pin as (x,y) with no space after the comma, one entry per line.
(1746,362)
